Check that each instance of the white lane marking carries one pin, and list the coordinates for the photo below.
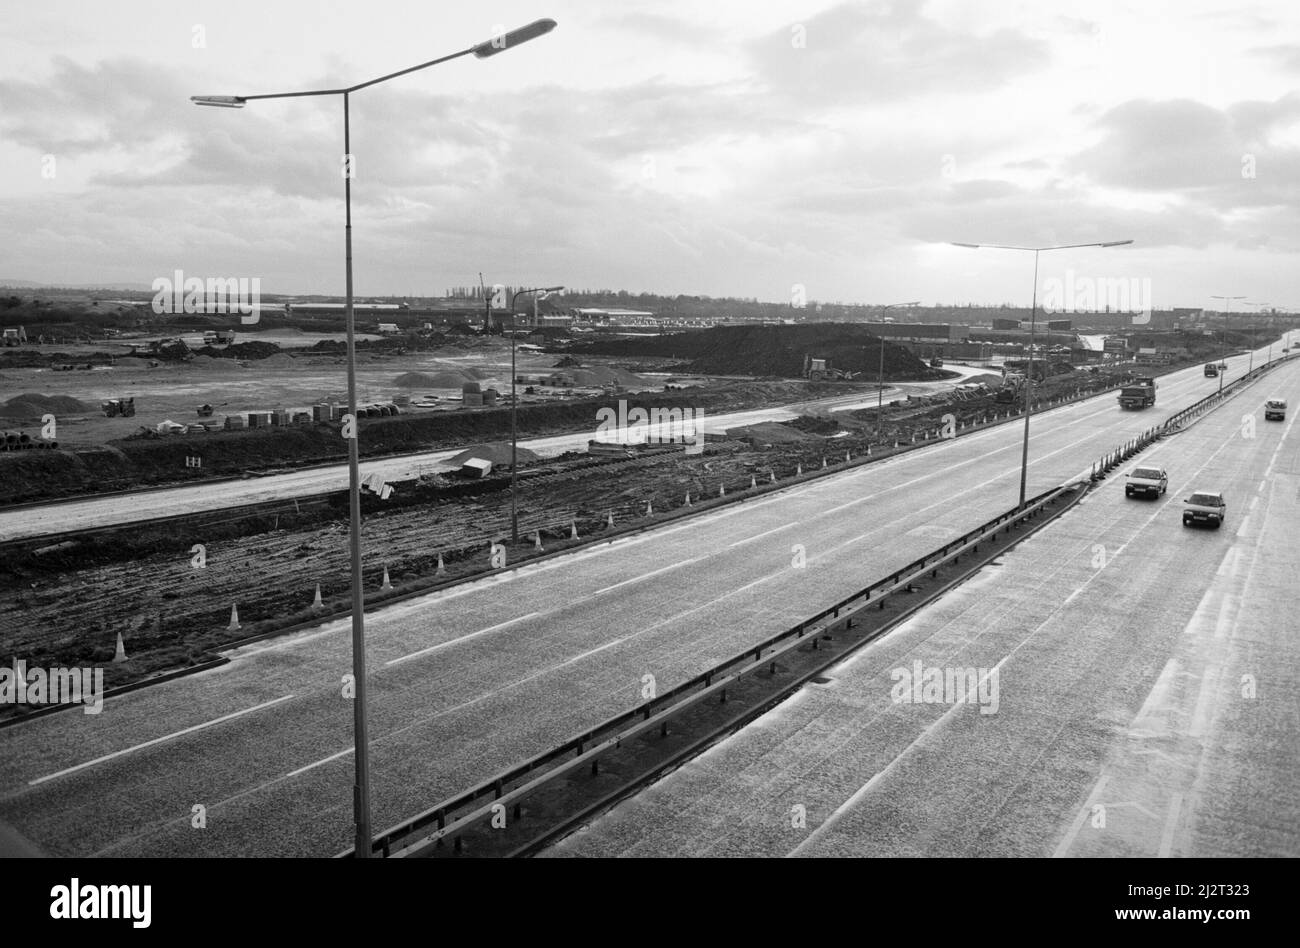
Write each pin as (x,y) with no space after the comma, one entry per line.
(765,533)
(303,770)
(156,740)
(1079,820)
(459,640)
(1171,824)
(644,576)
(1254,501)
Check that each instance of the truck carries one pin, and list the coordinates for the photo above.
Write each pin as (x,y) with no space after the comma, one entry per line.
(14,336)
(1211,370)
(1141,394)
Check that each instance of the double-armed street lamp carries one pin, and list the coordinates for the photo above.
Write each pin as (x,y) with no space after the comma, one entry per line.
(497,44)
(1033,310)
(1223,325)
(542,292)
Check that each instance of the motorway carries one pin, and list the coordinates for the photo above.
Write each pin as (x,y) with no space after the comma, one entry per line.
(472,680)
(90,512)
(1148,694)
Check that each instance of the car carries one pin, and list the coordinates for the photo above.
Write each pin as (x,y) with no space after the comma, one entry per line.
(1275,409)
(1204,506)
(1148,481)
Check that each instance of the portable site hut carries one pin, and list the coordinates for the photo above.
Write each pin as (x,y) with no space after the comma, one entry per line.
(476,467)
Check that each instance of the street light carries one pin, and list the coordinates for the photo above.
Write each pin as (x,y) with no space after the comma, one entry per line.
(880,377)
(1223,323)
(1254,327)
(544,291)
(361,789)
(1033,311)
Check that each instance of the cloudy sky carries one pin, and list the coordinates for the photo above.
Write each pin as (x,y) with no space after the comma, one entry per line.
(729,148)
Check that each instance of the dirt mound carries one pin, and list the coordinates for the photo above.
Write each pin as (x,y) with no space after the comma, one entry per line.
(446,378)
(768,432)
(279,359)
(498,452)
(605,375)
(219,365)
(769,350)
(33,405)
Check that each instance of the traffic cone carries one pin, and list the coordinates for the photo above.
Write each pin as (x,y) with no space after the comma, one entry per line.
(234,619)
(772,479)
(120,654)
(537,540)
(441,570)
(688,498)
(386,584)
(610,522)
(753,482)
(798,469)
(868,450)
(649,508)
(722,490)
(573,529)
(317,603)
(847,457)
(823,464)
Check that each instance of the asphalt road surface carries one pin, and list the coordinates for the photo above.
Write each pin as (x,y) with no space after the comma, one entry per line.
(1147,698)
(471,681)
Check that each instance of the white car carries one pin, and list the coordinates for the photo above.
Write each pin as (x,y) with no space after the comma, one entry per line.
(1148,481)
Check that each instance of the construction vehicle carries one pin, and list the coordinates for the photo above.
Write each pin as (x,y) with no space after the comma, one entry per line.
(1012,386)
(936,363)
(15,336)
(218,337)
(205,411)
(820,370)
(119,407)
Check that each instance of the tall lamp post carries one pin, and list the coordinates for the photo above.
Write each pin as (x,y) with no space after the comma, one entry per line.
(1223,325)
(1254,327)
(880,377)
(497,44)
(543,292)
(1033,310)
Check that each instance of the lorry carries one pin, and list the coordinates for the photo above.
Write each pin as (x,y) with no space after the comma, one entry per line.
(14,336)
(1141,394)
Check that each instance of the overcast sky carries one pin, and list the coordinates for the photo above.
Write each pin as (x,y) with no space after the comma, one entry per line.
(728,148)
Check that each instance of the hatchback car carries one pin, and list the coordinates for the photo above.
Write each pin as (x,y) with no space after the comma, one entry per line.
(1204,506)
